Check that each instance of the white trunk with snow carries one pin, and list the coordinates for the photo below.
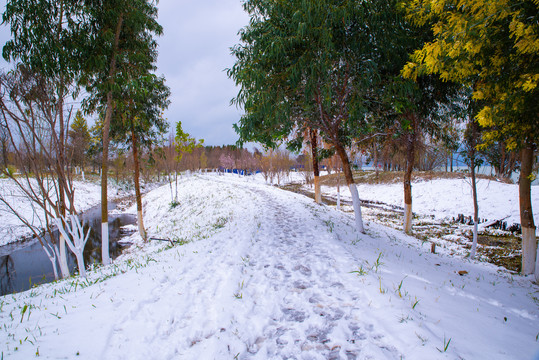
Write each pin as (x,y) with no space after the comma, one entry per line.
(62,260)
(74,228)
(537,266)
(83,177)
(407,218)
(105,243)
(474,242)
(357,207)
(317,190)
(529,250)
(52,252)
(140,223)
(338,197)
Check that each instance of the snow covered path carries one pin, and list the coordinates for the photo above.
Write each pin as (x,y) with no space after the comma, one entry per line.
(271,276)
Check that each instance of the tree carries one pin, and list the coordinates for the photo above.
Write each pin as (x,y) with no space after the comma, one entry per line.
(203,160)
(30,117)
(492,46)
(313,139)
(79,141)
(227,161)
(184,144)
(120,34)
(45,39)
(407,111)
(73,232)
(139,108)
(303,64)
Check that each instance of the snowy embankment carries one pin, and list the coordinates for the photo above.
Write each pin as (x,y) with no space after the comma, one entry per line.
(87,195)
(268,274)
(447,198)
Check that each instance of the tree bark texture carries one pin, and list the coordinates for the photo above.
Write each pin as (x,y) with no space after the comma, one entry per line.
(408,177)
(138,195)
(475,203)
(529,242)
(316,169)
(351,185)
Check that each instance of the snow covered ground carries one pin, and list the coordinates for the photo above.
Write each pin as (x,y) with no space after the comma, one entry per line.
(447,198)
(263,273)
(87,194)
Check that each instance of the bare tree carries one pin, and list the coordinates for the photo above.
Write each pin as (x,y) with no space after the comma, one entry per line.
(32,117)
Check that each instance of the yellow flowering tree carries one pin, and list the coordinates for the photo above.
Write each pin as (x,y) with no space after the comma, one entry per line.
(492,47)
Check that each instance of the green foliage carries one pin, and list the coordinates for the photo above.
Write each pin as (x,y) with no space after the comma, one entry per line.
(184,142)
(46,38)
(109,62)
(301,65)
(79,138)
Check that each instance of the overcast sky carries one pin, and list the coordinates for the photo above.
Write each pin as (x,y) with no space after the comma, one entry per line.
(194,52)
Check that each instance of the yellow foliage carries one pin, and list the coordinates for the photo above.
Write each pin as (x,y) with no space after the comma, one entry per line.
(484,117)
(478,95)
(437,6)
(410,71)
(474,46)
(529,82)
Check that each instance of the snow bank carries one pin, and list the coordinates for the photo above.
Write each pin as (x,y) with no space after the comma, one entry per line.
(446,198)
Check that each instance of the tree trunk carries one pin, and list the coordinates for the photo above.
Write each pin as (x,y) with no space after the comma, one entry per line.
(138,195)
(475,203)
(501,171)
(351,185)
(338,191)
(104,181)
(376,161)
(529,243)
(64,268)
(408,179)
(316,169)
(104,166)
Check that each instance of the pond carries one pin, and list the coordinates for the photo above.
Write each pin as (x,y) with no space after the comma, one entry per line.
(24,264)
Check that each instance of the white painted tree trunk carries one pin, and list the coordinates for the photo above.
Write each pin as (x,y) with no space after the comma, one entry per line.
(338,196)
(317,191)
(79,239)
(474,242)
(105,243)
(52,255)
(357,208)
(408,218)
(140,223)
(83,177)
(64,268)
(529,251)
(537,266)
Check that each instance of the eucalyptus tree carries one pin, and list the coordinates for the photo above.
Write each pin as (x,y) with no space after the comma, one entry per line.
(304,64)
(406,110)
(140,123)
(121,33)
(45,38)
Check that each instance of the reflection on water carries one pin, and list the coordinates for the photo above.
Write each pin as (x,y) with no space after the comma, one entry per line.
(25,264)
